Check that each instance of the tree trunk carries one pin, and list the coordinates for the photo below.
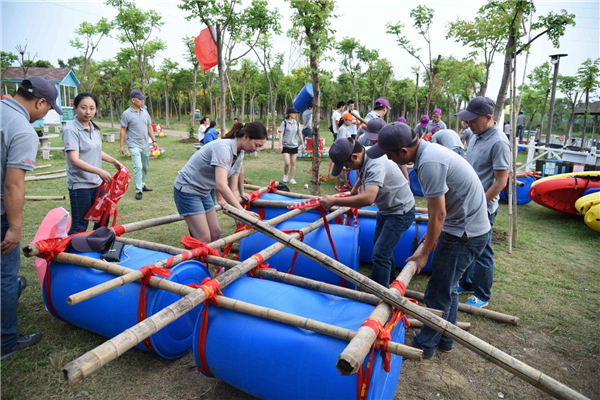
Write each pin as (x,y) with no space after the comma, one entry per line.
(416,121)
(112,120)
(432,73)
(585,116)
(501,98)
(193,101)
(457,122)
(530,124)
(355,91)
(221,68)
(242,118)
(544,112)
(316,162)
(167,104)
(571,122)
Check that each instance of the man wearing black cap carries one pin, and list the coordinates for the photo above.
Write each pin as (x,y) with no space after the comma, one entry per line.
(136,127)
(458,227)
(34,98)
(384,184)
(489,154)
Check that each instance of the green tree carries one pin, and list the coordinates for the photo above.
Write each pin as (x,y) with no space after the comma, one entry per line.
(247,71)
(190,56)
(92,35)
(38,64)
(588,75)
(7,59)
(569,86)
(348,49)
(540,80)
(166,68)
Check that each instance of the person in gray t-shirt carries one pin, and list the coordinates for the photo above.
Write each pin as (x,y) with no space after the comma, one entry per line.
(307,120)
(465,132)
(289,136)
(217,165)
(83,151)
(458,227)
(436,121)
(450,140)
(382,183)
(35,97)
(489,154)
(136,127)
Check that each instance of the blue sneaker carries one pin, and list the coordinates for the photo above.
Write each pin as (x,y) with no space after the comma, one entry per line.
(463,290)
(475,302)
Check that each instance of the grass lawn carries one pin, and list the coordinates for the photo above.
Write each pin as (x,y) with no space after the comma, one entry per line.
(551,281)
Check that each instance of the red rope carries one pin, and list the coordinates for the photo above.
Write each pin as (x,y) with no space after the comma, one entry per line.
(326,225)
(148,271)
(227,249)
(260,264)
(211,288)
(200,250)
(301,234)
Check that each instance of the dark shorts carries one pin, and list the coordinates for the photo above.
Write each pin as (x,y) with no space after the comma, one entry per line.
(290,150)
(192,204)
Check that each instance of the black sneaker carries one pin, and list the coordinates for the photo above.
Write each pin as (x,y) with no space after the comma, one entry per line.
(147,189)
(22,285)
(445,349)
(138,196)
(23,342)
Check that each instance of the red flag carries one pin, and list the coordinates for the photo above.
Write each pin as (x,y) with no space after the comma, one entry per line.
(205,49)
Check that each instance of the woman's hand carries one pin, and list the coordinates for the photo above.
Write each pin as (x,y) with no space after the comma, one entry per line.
(117,165)
(252,214)
(246,197)
(105,176)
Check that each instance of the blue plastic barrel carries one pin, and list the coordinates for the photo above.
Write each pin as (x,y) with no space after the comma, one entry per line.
(270,360)
(345,238)
(272,212)
(405,248)
(111,313)
(352,177)
(415,186)
(522,192)
(304,98)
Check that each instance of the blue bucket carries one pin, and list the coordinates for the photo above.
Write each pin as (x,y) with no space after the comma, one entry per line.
(415,185)
(522,192)
(345,238)
(270,360)
(304,98)
(352,177)
(109,314)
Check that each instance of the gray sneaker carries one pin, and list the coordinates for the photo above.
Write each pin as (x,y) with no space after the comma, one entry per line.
(23,342)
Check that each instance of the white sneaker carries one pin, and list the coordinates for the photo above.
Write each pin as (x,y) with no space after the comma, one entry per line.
(285,179)
(293,181)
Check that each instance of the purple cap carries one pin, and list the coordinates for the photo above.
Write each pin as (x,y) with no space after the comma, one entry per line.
(402,119)
(339,153)
(42,88)
(381,102)
(424,121)
(437,111)
(98,241)
(477,107)
(392,137)
(373,128)
(136,94)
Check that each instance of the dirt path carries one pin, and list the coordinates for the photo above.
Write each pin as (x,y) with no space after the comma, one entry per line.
(169,131)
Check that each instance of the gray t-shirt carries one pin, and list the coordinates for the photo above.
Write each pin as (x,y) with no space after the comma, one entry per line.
(394,196)
(364,141)
(137,127)
(89,145)
(443,172)
(307,118)
(487,153)
(19,140)
(198,175)
(521,120)
(290,131)
(466,135)
(431,125)
(420,130)
(372,114)
(447,138)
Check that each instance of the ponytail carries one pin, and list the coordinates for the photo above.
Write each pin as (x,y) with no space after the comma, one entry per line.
(254,130)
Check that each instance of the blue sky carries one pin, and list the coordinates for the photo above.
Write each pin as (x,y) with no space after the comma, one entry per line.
(47,27)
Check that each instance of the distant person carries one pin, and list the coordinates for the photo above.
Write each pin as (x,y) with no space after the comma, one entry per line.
(369,138)
(83,150)
(507,130)
(335,118)
(379,181)
(421,127)
(307,118)
(436,121)
(465,132)
(402,119)
(449,139)
(136,127)
(289,136)
(204,124)
(211,133)
(352,110)
(34,98)
(538,133)
(489,155)
(521,121)
(380,109)
(235,121)
(216,166)
(347,123)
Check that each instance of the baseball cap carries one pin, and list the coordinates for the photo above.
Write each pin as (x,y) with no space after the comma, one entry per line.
(402,119)
(136,94)
(339,153)
(98,241)
(381,102)
(424,121)
(437,111)
(373,128)
(42,88)
(477,107)
(348,116)
(392,137)
(291,110)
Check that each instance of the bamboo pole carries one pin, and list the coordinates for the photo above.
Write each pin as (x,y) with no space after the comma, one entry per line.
(41,198)
(484,349)
(94,359)
(283,193)
(415,323)
(42,166)
(179,257)
(483,312)
(49,172)
(44,177)
(353,356)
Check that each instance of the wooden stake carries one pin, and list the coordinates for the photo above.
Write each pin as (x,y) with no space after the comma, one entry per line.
(41,198)
(498,357)
(353,356)
(49,172)
(42,166)
(44,177)
(94,359)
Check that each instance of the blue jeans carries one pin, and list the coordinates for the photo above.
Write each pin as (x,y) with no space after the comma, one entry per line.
(451,258)
(520,129)
(140,158)
(480,275)
(81,202)
(460,152)
(10,293)
(388,231)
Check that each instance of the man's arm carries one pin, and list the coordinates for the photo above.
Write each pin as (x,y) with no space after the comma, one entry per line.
(366,198)
(499,185)
(436,207)
(122,134)
(14,197)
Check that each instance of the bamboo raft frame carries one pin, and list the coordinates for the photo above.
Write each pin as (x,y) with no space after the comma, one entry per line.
(42,198)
